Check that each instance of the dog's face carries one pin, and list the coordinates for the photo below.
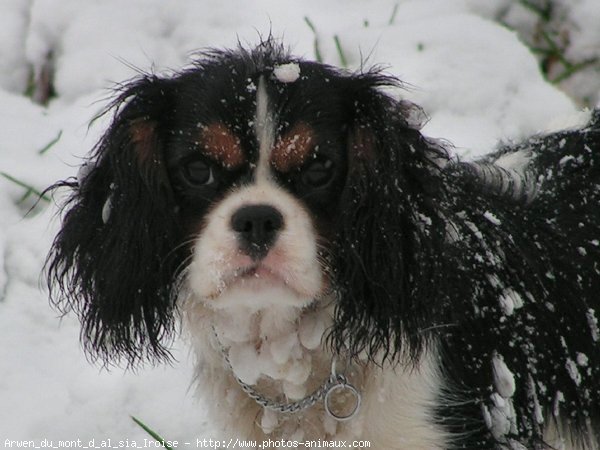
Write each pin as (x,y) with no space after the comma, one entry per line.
(258,191)
(250,175)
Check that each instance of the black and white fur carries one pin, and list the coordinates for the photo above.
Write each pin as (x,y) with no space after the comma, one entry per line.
(291,212)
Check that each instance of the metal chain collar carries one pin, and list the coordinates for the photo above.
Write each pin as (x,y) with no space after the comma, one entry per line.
(334,383)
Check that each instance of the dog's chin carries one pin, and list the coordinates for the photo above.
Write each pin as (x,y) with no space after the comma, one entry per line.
(257,287)
(257,295)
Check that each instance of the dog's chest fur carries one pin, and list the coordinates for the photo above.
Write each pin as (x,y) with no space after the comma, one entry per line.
(281,352)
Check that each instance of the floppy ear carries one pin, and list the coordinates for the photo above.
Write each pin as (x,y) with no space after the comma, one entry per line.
(390,231)
(112,261)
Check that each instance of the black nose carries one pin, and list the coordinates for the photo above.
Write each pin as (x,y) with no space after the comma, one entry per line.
(257,227)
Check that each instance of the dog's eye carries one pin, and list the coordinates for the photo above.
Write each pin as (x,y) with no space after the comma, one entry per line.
(198,173)
(318,173)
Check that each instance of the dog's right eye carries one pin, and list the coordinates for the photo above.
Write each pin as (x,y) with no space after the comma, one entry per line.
(318,174)
(198,173)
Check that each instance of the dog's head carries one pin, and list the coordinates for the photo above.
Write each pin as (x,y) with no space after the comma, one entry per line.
(254,172)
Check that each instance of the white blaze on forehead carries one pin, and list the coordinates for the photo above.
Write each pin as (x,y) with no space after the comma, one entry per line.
(264,128)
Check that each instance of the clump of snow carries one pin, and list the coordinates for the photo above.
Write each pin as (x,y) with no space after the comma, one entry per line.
(582,359)
(84,170)
(573,371)
(311,330)
(504,380)
(593,324)
(269,420)
(516,161)
(565,159)
(299,371)
(265,344)
(281,348)
(243,358)
(500,416)
(492,218)
(294,391)
(558,399)
(537,407)
(287,73)
(107,209)
(510,300)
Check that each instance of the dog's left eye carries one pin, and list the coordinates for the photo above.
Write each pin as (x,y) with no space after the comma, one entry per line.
(318,173)
(198,173)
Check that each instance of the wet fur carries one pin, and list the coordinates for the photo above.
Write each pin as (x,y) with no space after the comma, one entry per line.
(423,251)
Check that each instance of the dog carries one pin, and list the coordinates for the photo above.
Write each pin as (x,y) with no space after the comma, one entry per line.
(340,276)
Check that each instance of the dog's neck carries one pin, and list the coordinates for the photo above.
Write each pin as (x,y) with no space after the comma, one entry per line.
(274,347)
(279,351)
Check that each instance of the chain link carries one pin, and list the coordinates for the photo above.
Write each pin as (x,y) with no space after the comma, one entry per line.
(289,407)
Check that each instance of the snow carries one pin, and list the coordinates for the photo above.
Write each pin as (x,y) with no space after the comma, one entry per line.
(558,398)
(510,300)
(311,330)
(504,380)
(492,218)
(287,73)
(106,209)
(267,343)
(582,359)
(269,421)
(537,407)
(516,161)
(593,324)
(474,78)
(500,418)
(243,359)
(573,371)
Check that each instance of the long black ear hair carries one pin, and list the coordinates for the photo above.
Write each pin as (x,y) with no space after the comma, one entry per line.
(113,260)
(390,233)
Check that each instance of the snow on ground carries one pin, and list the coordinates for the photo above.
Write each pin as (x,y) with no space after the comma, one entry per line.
(474,78)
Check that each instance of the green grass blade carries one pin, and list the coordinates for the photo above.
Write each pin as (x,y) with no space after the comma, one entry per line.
(49,145)
(340,50)
(29,189)
(393,16)
(152,433)
(311,25)
(573,69)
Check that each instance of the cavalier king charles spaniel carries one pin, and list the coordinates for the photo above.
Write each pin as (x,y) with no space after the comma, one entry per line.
(340,275)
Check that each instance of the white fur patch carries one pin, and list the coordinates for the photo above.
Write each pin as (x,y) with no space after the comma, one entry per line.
(264,128)
(398,402)
(217,273)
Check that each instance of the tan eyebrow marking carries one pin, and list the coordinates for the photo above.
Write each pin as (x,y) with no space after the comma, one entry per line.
(219,143)
(143,138)
(293,148)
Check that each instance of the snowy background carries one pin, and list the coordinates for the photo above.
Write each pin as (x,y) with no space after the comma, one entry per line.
(473,65)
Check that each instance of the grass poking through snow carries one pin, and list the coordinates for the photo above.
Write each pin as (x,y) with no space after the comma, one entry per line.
(157,437)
